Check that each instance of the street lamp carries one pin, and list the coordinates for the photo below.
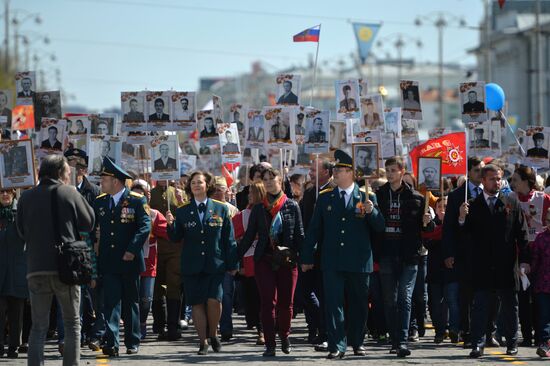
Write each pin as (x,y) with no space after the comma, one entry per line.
(400,40)
(440,20)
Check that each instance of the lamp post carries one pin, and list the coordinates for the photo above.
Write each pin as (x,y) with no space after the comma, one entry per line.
(400,40)
(440,20)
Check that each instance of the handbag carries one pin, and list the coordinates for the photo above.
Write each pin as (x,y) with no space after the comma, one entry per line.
(282,256)
(74,260)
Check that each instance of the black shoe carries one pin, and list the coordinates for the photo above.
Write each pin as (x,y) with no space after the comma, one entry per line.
(321,347)
(215,343)
(439,338)
(403,351)
(269,351)
(203,350)
(163,336)
(491,342)
(226,337)
(12,352)
(476,352)
(110,351)
(94,345)
(526,343)
(393,350)
(454,337)
(359,351)
(132,351)
(2,351)
(335,355)
(512,350)
(413,336)
(24,348)
(285,346)
(467,345)
(312,337)
(173,334)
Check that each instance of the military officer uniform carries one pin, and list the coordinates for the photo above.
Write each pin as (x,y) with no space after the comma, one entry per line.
(124,226)
(343,234)
(210,249)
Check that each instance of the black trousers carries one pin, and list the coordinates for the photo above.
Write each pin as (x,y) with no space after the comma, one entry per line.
(251,302)
(465,299)
(12,307)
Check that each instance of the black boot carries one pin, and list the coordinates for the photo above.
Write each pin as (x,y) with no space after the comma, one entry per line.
(159,315)
(174,308)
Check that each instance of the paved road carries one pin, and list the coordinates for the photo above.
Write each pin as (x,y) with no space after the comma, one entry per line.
(243,349)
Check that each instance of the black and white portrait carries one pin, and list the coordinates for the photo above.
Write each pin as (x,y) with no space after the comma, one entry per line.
(17,164)
(102,125)
(392,121)
(5,108)
(100,147)
(280,125)
(52,135)
(25,84)
(288,89)
(133,107)
(78,125)
(236,116)
(317,132)
(217,109)
(183,111)
(47,105)
(208,133)
(372,112)
(410,100)
(347,99)
(537,142)
(337,135)
(472,97)
(255,133)
(429,173)
(158,107)
(229,140)
(365,159)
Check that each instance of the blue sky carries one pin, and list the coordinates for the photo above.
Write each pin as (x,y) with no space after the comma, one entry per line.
(107,46)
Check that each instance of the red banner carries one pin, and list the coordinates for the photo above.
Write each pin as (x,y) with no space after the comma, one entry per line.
(22,117)
(452,150)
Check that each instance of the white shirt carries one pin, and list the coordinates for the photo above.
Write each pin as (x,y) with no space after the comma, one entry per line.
(116,196)
(201,214)
(486,196)
(348,191)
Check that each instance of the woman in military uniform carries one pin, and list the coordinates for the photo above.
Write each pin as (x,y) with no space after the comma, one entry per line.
(209,251)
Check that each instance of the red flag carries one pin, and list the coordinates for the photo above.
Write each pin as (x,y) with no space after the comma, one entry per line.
(501,3)
(451,148)
(227,168)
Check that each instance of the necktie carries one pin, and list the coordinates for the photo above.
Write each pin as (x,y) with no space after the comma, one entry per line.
(343,198)
(159,116)
(112,203)
(202,207)
(492,204)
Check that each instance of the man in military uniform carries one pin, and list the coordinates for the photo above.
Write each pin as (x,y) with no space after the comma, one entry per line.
(473,105)
(230,147)
(134,115)
(124,225)
(479,141)
(317,135)
(538,151)
(342,215)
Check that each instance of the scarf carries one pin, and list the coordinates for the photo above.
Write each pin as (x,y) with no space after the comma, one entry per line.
(274,209)
(7,213)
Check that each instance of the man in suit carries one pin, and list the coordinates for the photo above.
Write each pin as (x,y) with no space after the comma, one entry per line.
(473,105)
(280,130)
(124,225)
(288,96)
(237,120)
(347,104)
(312,280)
(26,92)
(51,142)
(256,131)
(538,151)
(230,147)
(134,115)
(98,160)
(46,109)
(4,110)
(496,225)
(159,114)
(317,135)
(340,216)
(165,162)
(479,141)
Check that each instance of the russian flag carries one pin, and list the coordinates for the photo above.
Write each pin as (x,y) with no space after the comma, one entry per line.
(309,35)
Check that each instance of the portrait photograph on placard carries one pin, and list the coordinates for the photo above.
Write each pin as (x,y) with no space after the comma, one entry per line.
(158,105)
(372,112)
(255,128)
(236,115)
(347,99)
(337,134)
(25,87)
(410,100)
(429,173)
(217,108)
(208,133)
(317,131)
(472,100)
(47,105)
(536,145)
(52,136)
(188,163)
(363,87)
(409,131)
(388,145)
(183,111)
(288,89)
(6,105)
(17,164)
(102,125)
(78,126)
(392,121)
(366,161)
(98,148)
(484,138)
(133,111)
(229,142)
(280,126)
(164,158)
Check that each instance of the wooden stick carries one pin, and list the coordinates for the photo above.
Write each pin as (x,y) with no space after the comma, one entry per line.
(441,188)
(426,204)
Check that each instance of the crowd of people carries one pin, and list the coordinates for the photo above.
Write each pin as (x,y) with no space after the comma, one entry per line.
(359,257)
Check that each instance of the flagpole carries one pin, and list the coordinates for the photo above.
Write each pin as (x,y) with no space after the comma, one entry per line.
(315,69)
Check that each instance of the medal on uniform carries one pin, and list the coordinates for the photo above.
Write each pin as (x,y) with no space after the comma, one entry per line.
(329,208)
(101,211)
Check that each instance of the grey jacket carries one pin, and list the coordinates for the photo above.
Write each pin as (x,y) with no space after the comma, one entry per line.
(35,223)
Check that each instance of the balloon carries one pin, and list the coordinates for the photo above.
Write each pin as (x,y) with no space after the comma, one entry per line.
(494,95)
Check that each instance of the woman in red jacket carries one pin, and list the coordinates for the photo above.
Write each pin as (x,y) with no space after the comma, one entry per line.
(147,280)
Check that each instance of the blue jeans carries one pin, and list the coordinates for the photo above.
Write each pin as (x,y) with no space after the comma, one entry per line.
(146,287)
(480,315)
(398,279)
(543,304)
(420,297)
(41,289)
(226,322)
(444,297)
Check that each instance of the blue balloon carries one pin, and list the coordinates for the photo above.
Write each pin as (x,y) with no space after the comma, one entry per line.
(494,95)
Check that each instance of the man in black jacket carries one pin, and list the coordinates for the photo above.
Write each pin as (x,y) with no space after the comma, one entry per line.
(400,244)
(495,223)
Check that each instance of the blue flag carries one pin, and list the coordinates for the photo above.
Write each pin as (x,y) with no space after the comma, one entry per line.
(365,33)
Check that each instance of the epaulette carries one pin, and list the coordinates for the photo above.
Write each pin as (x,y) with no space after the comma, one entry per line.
(135,194)
(101,195)
(218,201)
(326,190)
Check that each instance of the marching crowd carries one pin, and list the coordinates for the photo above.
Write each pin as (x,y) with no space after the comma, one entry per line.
(358,257)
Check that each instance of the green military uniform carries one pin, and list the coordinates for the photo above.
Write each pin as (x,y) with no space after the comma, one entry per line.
(168,281)
(210,249)
(343,235)
(123,227)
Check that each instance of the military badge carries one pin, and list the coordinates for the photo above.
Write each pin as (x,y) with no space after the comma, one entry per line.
(329,208)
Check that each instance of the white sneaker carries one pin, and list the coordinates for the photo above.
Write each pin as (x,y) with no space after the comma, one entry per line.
(184,325)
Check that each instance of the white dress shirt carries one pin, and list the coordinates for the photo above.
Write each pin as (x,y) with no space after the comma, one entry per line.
(348,191)
(116,196)
(201,214)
